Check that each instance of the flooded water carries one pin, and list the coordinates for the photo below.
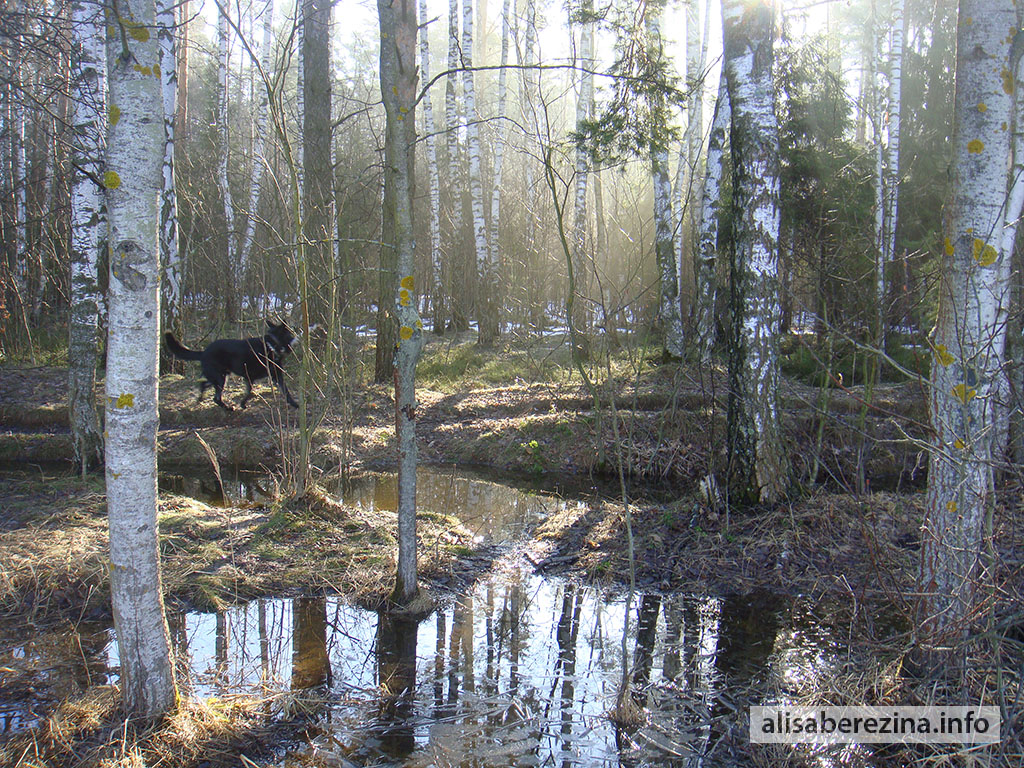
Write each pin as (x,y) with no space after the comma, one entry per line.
(521,670)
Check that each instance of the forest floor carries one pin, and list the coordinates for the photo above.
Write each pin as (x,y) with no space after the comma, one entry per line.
(522,413)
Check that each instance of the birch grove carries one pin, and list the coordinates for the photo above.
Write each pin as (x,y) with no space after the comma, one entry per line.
(134,183)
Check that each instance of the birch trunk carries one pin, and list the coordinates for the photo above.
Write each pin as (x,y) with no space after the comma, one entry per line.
(670,313)
(20,174)
(485,299)
(170,257)
(224,150)
(758,466)
(134,184)
(892,151)
(398,89)
(494,248)
(967,359)
(881,238)
(578,324)
(433,176)
(88,224)
(259,161)
(707,237)
(453,245)
(1010,424)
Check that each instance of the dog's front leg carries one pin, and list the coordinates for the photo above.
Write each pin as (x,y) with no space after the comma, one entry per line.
(248,392)
(277,376)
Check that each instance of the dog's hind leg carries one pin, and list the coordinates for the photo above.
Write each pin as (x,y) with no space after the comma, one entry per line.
(216,379)
(203,386)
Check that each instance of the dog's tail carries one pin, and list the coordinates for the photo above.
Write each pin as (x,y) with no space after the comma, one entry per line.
(181,352)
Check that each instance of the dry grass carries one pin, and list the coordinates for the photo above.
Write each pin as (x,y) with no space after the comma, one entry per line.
(91,731)
(53,561)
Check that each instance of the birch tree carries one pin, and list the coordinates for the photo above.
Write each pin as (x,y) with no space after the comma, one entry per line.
(398,89)
(486,304)
(967,353)
(170,258)
(134,183)
(758,467)
(259,161)
(493,247)
(577,317)
(707,234)
(897,19)
(433,177)
(88,224)
(669,313)
(223,157)
(453,246)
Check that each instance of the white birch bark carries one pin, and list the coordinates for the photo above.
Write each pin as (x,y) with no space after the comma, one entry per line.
(499,147)
(169,255)
(707,236)
(584,111)
(224,150)
(898,29)
(88,225)
(20,175)
(1009,426)
(488,331)
(530,90)
(670,313)
(877,118)
(454,199)
(398,89)
(259,161)
(758,465)
(133,181)
(433,173)
(967,353)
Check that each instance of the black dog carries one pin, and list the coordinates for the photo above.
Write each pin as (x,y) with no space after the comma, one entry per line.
(252,359)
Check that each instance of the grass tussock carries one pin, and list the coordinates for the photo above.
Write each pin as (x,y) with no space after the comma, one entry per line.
(53,555)
(91,731)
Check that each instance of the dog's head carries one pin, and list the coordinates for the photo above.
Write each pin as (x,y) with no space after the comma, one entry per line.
(280,337)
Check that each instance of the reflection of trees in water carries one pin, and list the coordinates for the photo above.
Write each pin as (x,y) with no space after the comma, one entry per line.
(396,679)
(310,663)
(221,678)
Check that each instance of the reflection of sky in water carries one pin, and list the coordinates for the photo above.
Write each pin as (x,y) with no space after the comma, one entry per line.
(545,682)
